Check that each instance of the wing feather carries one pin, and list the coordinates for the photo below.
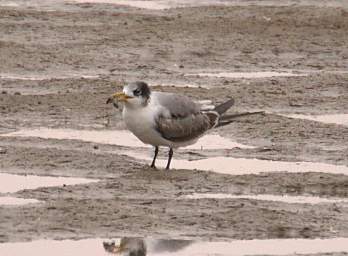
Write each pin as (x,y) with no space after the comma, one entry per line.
(186,128)
(177,105)
(182,119)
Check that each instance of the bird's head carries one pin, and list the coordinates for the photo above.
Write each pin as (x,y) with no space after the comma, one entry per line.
(133,95)
(127,247)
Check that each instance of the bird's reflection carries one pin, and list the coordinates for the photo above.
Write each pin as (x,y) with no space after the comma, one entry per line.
(129,246)
(132,246)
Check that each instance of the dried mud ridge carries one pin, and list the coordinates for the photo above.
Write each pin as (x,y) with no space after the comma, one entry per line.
(120,44)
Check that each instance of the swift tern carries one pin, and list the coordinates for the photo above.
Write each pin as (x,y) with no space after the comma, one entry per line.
(167,119)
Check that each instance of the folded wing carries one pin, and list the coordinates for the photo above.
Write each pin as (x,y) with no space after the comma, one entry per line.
(186,120)
(185,128)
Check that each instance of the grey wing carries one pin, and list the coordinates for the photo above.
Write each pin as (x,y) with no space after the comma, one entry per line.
(177,105)
(186,128)
(185,120)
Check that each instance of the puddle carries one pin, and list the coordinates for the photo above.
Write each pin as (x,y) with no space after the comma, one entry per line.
(168,247)
(178,85)
(214,141)
(227,165)
(152,5)
(166,4)
(275,198)
(247,75)
(266,74)
(9,4)
(243,166)
(182,86)
(45,77)
(10,183)
(341,119)
(9,201)
(120,138)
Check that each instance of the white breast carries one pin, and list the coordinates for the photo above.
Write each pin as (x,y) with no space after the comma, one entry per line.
(141,122)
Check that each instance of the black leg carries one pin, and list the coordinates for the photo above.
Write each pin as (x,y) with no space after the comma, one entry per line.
(154,158)
(170,155)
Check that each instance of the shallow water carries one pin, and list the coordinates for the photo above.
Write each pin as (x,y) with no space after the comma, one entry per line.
(120,138)
(166,4)
(265,197)
(36,77)
(242,166)
(248,75)
(341,119)
(227,165)
(164,247)
(8,4)
(153,5)
(266,74)
(9,200)
(179,85)
(10,183)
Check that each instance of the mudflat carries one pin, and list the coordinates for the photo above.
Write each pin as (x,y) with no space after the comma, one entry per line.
(60,61)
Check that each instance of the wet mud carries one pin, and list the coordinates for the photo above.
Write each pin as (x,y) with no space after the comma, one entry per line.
(61,61)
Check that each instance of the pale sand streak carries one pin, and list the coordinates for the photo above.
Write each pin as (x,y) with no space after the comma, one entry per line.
(92,247)
(241,166)
(247,75)
(341,119)
(120,137)
(10,183)
(268,197)
(9,200)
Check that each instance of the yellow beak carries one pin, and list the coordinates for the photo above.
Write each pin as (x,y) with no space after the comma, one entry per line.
(118,249)
(120,96)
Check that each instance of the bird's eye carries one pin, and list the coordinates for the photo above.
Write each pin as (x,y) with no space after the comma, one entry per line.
(136,92)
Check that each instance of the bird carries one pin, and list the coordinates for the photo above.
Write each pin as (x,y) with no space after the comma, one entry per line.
(128,246)
(136,246)
(167,119)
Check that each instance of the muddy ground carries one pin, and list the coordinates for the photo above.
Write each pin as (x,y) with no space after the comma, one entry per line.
(116,44)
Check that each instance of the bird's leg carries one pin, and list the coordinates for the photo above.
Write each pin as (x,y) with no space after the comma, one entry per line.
(170,155)
(154,158)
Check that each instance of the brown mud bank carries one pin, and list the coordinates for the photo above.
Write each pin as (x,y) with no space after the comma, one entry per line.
(59,67)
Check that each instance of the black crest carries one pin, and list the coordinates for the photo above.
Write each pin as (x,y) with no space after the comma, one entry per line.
(144,89)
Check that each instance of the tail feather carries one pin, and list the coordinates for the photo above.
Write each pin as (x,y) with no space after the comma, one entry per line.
(222,108)
(222,123)
(227,119)
(232,116)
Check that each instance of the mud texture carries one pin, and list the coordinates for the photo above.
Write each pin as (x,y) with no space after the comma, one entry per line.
(116,44)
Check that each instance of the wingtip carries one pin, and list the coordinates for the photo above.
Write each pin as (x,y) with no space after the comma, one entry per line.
(222,108)
(232,101)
